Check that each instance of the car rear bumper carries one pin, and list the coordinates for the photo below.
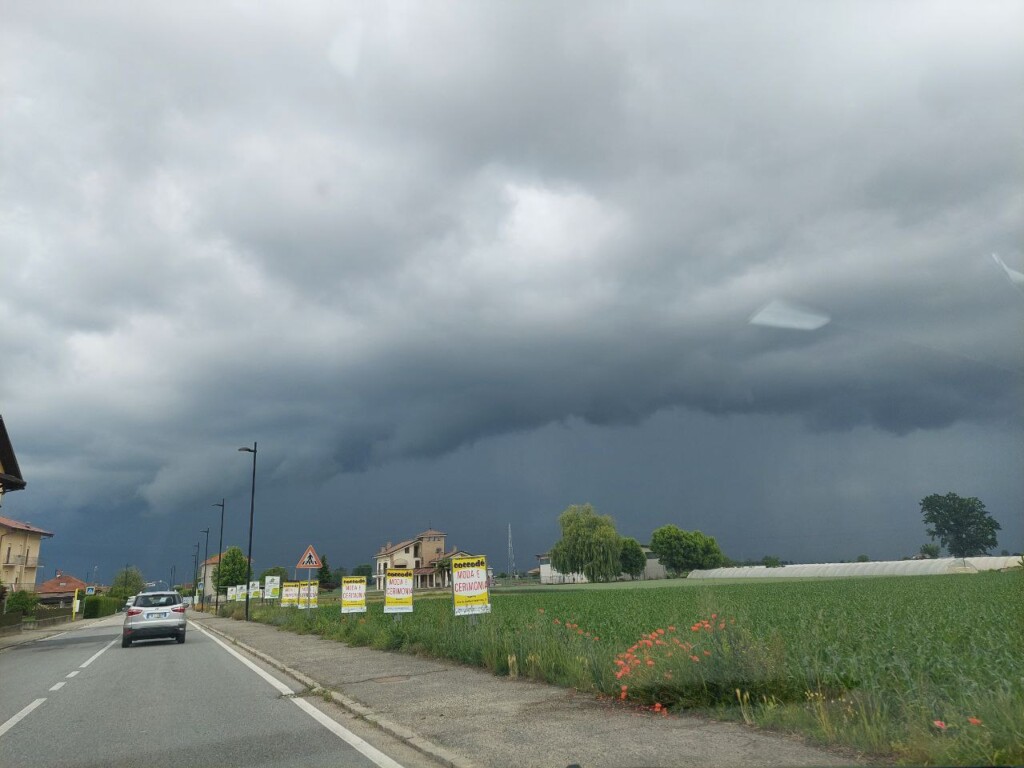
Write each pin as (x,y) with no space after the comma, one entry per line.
(148,632)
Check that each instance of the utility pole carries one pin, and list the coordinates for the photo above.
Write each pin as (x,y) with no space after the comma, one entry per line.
(220,554)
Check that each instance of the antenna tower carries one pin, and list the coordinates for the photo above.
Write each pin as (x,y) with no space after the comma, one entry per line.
(511,555)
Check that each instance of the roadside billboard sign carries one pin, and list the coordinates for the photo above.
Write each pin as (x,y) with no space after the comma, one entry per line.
(272,587)
(231,594)
(398,590)
(469,586)
(309,591)
(240,592)
(254,589)
(290,594)
(353,594)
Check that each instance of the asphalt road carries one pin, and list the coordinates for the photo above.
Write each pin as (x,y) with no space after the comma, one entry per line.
(79,699)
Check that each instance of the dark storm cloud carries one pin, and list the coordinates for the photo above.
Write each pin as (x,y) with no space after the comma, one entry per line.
(384,233)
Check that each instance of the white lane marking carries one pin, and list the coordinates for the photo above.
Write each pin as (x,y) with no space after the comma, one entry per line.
(19,717)
(347,736)
(334,727)
(52,637)
(96,655)
(72,674)
(278,685)
(58,686)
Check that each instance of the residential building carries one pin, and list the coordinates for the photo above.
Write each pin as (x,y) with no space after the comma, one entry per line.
(60,590)
(425,554)
(10,473)
(19,553)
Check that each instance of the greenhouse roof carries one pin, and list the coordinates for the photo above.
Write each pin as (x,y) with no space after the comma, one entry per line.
(880,568)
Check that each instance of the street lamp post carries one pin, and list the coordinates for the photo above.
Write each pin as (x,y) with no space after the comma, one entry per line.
(195,571)
(252,509)
(220,554)
(206,567)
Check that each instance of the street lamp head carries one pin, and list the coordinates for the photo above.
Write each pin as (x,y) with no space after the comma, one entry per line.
(247,450)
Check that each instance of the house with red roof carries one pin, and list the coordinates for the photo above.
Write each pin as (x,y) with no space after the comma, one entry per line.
(60,590)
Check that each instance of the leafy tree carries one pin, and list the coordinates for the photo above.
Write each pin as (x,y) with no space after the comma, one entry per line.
(589,544)
(930,550)
(22,601)
(231,570)
(363,569)
(771,561)
(632,557)
(961,525)
(863,559)
(681,551)
(338,574)
(324,574)
(278,570)
(127,582)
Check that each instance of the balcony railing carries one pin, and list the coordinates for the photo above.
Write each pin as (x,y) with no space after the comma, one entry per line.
(22,560)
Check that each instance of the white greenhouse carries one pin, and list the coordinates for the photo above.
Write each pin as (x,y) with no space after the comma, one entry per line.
(881,568)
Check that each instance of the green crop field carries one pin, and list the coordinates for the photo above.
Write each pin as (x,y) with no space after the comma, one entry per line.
(928,669)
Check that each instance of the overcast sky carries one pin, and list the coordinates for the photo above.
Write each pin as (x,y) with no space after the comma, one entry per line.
(462,265)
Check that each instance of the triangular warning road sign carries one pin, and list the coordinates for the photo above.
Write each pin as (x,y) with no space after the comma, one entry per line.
(309,559)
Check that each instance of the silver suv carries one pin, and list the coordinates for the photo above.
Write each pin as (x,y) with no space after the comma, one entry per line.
(154,614)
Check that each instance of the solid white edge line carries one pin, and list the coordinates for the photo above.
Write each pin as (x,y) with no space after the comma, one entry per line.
(58,686)
(278,685)
(20,716)
(347,736)
(53,637)
(71,674)
(333,726)
(96,655)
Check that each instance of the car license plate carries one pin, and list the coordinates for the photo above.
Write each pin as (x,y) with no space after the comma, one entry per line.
(160,615)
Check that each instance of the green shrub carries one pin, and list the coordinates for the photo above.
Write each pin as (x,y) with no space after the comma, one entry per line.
(22,601)
(99,605)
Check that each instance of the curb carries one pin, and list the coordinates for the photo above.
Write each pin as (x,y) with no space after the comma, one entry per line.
(411,738)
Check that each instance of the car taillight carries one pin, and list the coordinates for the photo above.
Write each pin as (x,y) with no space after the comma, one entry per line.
(134,611)
(179,608)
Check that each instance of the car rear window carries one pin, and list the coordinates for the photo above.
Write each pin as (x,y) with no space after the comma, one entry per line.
(155,601)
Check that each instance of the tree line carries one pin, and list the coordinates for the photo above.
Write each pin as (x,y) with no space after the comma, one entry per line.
(591,545)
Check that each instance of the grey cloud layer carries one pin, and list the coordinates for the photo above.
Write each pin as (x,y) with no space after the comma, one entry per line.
(391,231)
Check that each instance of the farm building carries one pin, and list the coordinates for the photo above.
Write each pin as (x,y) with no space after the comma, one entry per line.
(881,568)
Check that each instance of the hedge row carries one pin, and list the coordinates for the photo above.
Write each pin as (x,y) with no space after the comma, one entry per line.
(98,605)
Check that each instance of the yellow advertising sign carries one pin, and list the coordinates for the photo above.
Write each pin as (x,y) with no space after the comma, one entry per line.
(309,591)
(353,594)
(290,594)
(469,585)
(398,590)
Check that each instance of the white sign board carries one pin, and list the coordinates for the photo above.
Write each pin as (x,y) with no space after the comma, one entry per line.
(232,594)
(272,587)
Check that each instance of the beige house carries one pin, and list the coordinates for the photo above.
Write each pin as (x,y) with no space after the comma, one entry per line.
(19,554)
(424,554)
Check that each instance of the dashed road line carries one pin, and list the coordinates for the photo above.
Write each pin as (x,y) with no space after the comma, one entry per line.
(72,674)
(58,686)
(96,655)
(19,717)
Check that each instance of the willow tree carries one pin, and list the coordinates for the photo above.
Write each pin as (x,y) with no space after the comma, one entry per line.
(589,545)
